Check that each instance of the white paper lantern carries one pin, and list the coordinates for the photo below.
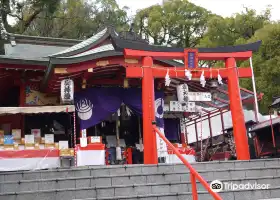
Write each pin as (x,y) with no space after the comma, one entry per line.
(182,93)
(67,91)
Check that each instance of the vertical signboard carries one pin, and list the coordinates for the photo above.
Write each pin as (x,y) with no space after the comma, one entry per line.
(191,58)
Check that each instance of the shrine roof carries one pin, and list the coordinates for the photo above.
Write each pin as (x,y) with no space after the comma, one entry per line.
(23,61)
(30,51)
(266,124)
(37,40)
(106,43)
(276,103)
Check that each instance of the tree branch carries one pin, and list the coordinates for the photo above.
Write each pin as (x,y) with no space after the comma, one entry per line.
(30,19)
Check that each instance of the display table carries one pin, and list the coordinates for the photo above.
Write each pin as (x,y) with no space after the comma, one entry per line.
(187,153)
(92,154)
(13,160)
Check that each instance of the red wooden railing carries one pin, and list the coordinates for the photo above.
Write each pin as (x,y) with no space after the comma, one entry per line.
(193,173)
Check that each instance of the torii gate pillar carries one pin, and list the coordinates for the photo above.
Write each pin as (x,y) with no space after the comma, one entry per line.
(237,114)
(148,109)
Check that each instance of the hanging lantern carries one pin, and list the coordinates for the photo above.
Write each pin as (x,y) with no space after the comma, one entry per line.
(67,91)
(182,93)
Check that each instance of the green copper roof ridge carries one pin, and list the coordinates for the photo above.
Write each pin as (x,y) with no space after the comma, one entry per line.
(84,45)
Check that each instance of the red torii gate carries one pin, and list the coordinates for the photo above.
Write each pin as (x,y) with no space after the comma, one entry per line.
(148,72)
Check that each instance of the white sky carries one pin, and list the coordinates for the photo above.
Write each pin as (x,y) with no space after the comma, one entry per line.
(224,8)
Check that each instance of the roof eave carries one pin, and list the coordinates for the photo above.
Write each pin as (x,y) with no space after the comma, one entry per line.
(22,61)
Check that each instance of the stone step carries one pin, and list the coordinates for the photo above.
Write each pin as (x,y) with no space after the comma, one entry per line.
(132,189)
(133,169)
(90,194)
(97,180)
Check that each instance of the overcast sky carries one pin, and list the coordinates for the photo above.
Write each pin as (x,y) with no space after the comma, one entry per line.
(222,7)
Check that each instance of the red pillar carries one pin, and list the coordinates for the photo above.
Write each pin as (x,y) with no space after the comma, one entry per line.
(148,108)
(239,129)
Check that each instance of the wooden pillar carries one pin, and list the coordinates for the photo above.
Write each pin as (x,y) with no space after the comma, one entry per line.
(239,129)
(148,108)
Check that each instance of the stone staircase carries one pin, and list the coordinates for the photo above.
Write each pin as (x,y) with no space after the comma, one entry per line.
(149,182)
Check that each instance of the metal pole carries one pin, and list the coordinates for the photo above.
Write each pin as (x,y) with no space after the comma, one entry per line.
(255,91)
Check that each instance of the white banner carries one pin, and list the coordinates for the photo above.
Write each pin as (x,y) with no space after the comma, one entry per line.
(199,96)
(176,106)
(161,146)
(182,92)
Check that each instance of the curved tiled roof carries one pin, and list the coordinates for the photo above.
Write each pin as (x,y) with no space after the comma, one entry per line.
(107,47)
(81,45)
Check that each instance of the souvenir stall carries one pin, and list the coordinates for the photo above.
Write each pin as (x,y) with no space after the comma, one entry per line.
(30,151)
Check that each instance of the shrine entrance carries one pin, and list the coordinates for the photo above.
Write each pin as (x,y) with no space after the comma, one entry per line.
(148,72)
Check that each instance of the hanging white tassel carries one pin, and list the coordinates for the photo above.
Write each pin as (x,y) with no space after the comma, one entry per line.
(167,79)
(119,112)
(128,111)
(202,79)
(188,74)
(220,80)
(118,153)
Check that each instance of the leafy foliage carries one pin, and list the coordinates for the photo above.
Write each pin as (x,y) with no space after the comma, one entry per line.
(266,64)
(175,23)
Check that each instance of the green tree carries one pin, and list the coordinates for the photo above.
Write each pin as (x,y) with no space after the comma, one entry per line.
(266,64)
(79,19)
(234,30)
(72,19)
(16,16)
(175,23)
(23,12)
